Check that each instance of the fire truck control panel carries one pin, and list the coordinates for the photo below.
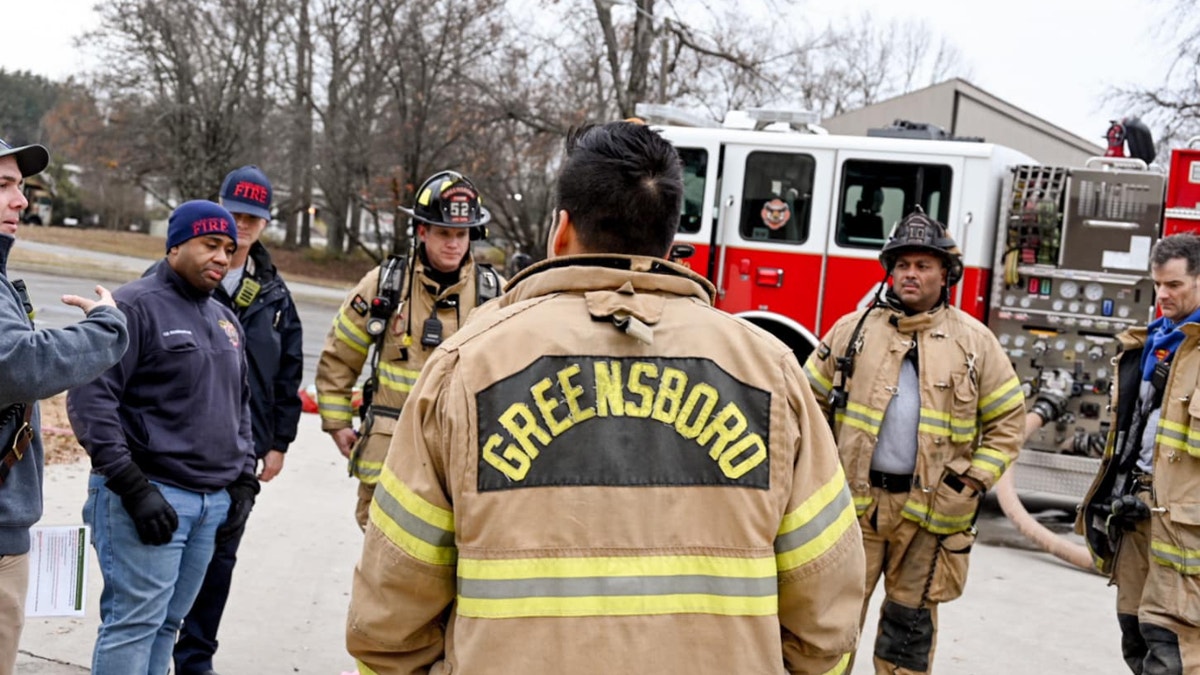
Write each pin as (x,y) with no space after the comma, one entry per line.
(1073,262)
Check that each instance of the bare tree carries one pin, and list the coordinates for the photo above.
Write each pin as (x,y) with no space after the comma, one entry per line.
(188,81)
(1172,105)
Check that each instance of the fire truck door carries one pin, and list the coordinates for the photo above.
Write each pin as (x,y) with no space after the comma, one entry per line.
(874,191)
(700,152)
(775,204)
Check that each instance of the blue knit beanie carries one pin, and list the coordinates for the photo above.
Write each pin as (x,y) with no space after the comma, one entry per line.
(198,218)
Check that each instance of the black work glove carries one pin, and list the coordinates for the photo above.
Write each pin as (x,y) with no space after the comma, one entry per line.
(241,499)
(1124,513)
(152,515)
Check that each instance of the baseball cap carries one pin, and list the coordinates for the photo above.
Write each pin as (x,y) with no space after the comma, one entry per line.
(31,159)
(247,190)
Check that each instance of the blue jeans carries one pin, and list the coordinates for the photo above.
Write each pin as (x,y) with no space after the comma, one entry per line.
(147,589)
(198,637)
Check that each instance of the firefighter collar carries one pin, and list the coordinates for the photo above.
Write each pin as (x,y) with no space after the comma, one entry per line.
(583,273)
(917,322)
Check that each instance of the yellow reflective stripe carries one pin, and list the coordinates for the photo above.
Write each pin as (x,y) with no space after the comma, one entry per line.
(861,504)
(367,472)
(615,566)
(991,461)
(417,527)
(816,525)
(616,586)
(396,378)
(1178,436)
(349,334)
(1182,560)
(937,523)
(819,382)
(841,666)
(865,412)
(937,423)
(1008,396)
(335,407)
(363,669)
(962,430)
(861,417)
(934,422)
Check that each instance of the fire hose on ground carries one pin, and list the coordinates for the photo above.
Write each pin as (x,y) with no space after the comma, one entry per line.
(1050,403)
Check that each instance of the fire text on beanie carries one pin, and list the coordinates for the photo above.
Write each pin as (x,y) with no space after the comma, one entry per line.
(196,219)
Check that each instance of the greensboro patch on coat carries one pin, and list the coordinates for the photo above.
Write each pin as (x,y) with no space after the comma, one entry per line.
(588,420)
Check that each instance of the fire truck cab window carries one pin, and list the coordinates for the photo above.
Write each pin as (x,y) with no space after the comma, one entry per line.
(876,195)
(695,170)
(777,197)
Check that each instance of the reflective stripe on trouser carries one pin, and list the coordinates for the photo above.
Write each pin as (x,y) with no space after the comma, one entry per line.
(887,538)
(1158,608)
(1169,610)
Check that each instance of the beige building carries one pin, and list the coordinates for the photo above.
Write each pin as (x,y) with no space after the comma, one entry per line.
(963,109)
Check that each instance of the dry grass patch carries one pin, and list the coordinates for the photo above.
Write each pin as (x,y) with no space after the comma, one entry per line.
(57,437)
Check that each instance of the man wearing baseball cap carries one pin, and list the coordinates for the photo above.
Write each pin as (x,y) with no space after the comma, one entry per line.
(34,365)
(168,433)
(256,293)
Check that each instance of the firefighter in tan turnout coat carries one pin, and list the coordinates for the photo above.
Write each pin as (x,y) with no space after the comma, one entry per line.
(928,413)
(601,473)
(422,300)
(1141,517)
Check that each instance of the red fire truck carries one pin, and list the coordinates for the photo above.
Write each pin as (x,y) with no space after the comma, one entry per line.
(787,221)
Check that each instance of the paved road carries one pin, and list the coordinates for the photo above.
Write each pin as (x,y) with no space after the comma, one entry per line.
(45,288)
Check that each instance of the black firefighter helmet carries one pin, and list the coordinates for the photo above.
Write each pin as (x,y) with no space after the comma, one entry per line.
(919,232)
(449,199)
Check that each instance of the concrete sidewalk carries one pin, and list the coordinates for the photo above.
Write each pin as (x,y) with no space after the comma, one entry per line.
(1022,611)
(287,609)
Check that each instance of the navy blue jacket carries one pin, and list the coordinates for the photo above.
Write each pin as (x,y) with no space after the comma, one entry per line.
(177,404)
(274,353)
(37,364)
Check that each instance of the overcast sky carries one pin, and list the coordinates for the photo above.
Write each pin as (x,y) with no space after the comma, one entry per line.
(1054,58)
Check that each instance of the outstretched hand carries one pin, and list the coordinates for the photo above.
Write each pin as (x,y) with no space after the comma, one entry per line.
(87,305)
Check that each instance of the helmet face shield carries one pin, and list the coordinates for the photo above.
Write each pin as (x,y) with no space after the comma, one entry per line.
(919,232)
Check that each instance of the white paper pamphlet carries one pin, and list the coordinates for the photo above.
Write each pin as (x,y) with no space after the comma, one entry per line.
(57,571)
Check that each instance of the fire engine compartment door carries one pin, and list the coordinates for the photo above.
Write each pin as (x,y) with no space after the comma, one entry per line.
(1111,220)
(700,151)
(874,191)
(773,236)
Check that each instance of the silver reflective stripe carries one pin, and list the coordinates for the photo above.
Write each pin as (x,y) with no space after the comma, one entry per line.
(575,587)
(434,536)
(815,527)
